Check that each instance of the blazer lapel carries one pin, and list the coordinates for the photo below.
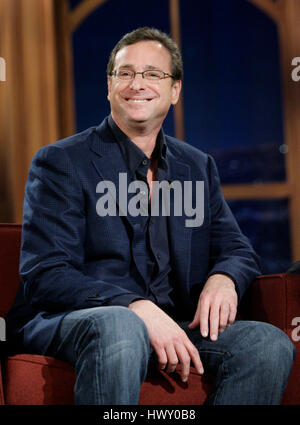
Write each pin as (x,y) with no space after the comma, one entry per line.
(111,166)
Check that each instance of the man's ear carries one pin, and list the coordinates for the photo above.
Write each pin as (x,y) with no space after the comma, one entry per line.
(108,86)
(176,89)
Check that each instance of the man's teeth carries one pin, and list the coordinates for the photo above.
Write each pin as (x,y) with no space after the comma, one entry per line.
(138,100)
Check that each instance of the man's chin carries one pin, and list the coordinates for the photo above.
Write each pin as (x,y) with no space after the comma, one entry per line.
(138,119)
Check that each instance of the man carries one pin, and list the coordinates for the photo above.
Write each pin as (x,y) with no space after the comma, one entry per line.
(110,293)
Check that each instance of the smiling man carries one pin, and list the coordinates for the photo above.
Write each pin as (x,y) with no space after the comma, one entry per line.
(140,101)
(113,295)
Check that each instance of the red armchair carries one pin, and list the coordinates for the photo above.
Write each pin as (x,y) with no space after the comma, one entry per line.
(30,379)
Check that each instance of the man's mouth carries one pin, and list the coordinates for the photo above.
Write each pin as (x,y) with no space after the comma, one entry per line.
(137,100)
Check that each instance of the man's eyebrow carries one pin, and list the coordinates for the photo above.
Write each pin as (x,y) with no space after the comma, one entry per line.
(152,67)
(126,66)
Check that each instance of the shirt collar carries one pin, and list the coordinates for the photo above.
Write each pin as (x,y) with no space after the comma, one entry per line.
(132,153)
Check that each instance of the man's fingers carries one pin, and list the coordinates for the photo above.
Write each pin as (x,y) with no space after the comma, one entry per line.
(217,305)
(162,358)
(196,320)
(171,358)
(204,317)
(224,316)
(214,321)
(232,314)
(187,353)
(195,356)
(183,352)
(185,361)
(168,340)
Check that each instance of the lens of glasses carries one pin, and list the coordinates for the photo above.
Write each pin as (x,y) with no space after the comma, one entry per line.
(153,75)
(127,74)
(124,74)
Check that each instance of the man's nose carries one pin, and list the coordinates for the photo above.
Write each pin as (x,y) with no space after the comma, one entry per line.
(137,82)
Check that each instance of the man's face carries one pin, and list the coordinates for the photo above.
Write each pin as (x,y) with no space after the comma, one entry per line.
(141,101)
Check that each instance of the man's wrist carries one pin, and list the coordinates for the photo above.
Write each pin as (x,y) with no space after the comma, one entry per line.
(137,302)
(224,278)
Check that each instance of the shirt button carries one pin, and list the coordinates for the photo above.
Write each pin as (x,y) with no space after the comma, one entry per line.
(158,256)
(145,162)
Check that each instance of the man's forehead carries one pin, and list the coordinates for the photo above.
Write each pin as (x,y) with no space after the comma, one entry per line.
(142,50)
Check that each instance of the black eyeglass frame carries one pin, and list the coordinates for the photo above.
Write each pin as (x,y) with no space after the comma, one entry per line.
(134,73)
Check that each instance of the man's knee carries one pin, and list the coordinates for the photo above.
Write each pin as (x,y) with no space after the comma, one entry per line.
(273,347)
(117,325)
(278,345)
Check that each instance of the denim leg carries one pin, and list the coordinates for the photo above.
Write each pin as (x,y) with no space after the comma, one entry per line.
(109,348)
(251,361)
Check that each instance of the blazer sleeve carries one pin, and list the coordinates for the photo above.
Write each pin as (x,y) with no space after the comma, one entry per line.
(231,252)
(53,235)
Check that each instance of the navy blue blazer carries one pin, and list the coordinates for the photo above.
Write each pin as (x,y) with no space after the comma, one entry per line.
(71,258)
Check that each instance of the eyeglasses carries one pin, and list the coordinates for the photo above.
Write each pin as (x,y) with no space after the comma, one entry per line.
(150,75)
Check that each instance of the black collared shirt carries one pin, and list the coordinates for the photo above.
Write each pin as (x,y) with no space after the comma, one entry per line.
(150,236)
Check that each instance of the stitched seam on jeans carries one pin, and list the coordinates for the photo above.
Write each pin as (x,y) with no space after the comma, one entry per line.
(97,380)
(225,374)
(223,353)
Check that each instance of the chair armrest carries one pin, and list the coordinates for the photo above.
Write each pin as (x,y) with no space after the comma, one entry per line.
(1,389)
(276,299)
(1,377)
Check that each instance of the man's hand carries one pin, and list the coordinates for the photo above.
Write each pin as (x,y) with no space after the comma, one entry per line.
(217,306)
(169,341)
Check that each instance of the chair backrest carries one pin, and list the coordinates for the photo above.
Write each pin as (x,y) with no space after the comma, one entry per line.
(10,242)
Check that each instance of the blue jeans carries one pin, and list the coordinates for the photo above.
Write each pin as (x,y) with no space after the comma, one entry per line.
(110,350)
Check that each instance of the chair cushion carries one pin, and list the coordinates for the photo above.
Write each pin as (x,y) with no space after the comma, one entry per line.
(160,388)
(36,380)
(32,379)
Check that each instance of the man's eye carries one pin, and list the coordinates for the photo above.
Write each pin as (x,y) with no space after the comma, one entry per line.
(124,73)
(153,74)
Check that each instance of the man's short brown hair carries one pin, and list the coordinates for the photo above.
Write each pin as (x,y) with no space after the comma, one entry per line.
(151,34)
